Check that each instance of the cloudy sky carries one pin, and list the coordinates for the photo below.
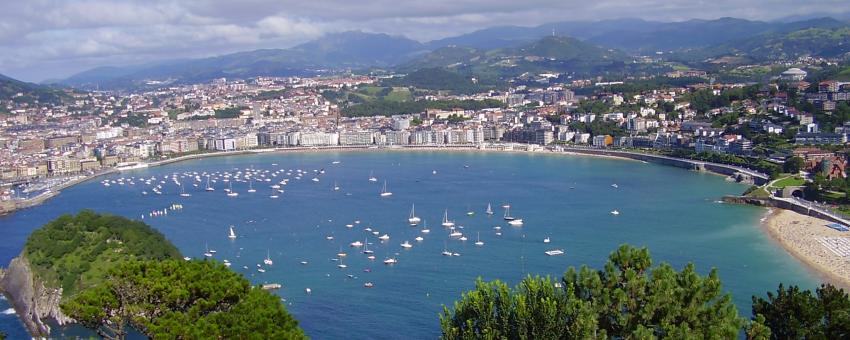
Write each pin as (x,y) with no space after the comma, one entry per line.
(51,39)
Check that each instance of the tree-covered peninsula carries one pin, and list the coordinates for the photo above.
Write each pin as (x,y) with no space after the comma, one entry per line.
(109,273)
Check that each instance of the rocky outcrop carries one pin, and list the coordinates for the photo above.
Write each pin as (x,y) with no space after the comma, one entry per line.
(33,301)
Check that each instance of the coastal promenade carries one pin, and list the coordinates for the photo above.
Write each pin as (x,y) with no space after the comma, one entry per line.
(756,177)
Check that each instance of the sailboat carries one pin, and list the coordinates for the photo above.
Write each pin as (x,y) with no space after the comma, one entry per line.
(406,245)
(508,216)
(209,188)
(384,192)
(469,211)
(251,186)
(372,178)
(446,222)
(183,192)
(413,220)
(232,234)
(489,209)
(366,247)
(446,251)
(274,194)
(336,187)
(207,253)
(268,259)
(230,192)
(479,243)
(425,229)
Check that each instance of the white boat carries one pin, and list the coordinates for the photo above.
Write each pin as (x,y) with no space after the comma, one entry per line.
(463,238)
(446,222)
(446,251)
(268,259)
(413,220)
(479,242)
(315,179)
(232,234)
(230,192)
(329,237)
(356,244)
(508,216)
(207,253)
(261,270)
(183,192)
(515,222)
(384,192)
(187,258)
(489,209)
(406,245)
(456,234)
(546,240)
(615,185)
(251,186)
(366,248)
(419,238)
(336,187)
(372,178)
(390,261)
(615,212)
(554,252)
(384,237)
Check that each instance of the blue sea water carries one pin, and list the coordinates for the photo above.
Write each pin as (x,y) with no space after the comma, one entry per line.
(672,211)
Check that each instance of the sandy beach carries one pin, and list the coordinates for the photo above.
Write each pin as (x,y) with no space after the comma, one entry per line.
(801,236)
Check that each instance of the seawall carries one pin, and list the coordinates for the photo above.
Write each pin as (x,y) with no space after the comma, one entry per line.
(787,205)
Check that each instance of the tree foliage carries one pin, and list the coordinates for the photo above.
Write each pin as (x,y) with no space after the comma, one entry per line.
(792,313)
(627,299)
(74,252)
(175,299)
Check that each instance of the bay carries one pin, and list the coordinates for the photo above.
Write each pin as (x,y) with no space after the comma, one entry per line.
(673,212)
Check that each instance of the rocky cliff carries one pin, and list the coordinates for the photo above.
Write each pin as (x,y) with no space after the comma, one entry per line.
(33,302)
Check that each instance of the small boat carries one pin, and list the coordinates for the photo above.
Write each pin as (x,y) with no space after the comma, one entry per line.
(209,188)
(463,238)
(479,242)
(489,209)
(251,187)
(372,178)
(456,234)
(384,192)
(413,220)
(406,245)
(419,238)
(554,252)
(230,192)
(268,259)
(470,212)
(446,251)
(308,290)
(446,222)
(390,261)
(232,234)
(356,244)
(271,286)
(368,285)
(433,172)
(315,179)
(261,270)
(515,222)
(187,258)
(384,237)
(336,187)
(335,162)
(208,253)
(615,212)
(329,237)
(304,263)
(615,185)
(508,216)
(546,240)
(183,192)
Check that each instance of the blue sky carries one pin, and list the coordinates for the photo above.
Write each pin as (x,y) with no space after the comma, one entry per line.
(51,39)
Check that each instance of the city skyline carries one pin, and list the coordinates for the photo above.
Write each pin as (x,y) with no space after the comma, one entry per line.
(48,40)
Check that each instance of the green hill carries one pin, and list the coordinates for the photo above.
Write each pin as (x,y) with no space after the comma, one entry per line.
(549,54)
(819,42)
(23,92)
(75,252)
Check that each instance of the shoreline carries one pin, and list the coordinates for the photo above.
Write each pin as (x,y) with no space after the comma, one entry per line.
(500,148)
(799,236)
